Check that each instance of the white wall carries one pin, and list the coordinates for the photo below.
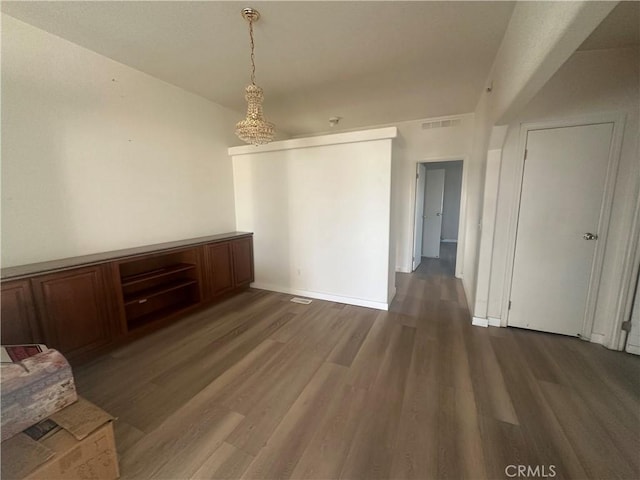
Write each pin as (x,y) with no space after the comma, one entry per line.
(591,82)
(321,217)
(98,156)
(451,198)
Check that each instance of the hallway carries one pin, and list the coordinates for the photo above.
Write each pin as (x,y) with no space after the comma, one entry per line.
(443,266)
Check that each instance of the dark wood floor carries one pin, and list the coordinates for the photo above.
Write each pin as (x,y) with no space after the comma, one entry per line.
(259,387)
(443,266)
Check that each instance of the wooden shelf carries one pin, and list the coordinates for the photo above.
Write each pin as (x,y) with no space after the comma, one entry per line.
(158,273)
(143,295)
(159,314)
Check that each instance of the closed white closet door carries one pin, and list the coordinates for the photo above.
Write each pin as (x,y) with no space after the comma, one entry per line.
(562,193)
(433,201)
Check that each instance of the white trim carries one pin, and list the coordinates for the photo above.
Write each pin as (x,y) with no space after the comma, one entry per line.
(321,140)
(633,349)
(618,120)
(322,296)
(603,224)
(494,322)
(597,338)
(479,322)
(624,305)
(393,293)
(448,240)
(416,257)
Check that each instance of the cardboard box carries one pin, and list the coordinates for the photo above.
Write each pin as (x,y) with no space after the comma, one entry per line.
(75,443)
(35,384)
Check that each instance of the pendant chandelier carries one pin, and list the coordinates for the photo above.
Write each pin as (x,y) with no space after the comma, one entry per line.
(254,129)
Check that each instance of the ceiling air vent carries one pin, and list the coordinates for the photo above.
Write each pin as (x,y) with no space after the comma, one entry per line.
(454,122)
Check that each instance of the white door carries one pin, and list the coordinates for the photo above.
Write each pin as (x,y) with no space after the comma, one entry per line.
(434,197)
(562,193)
(417,228)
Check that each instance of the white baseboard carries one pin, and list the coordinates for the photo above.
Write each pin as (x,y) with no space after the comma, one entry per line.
(479,322)
(597,338)
(494,322)
(633,349)
(393,292)
(322,296)
(448,240)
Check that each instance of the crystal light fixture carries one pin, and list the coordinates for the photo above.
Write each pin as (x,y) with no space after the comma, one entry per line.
(254,129)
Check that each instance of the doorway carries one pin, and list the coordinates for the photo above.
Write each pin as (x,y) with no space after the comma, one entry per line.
(559,227)
(437,216)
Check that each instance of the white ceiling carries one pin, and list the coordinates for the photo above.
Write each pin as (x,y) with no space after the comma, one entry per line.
(620,29)
(368,62)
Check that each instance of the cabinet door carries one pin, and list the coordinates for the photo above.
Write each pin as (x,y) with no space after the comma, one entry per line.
(19,324)
(73,309)
(219,270)
(242,251)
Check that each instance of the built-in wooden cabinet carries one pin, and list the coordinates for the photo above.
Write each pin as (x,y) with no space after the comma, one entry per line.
(18,323)
(73,309)
(83,305)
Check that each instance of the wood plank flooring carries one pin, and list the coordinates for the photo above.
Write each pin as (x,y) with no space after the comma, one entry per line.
(261,388)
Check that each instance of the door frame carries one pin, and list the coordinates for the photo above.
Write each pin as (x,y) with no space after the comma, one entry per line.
(459,273)
(414,264)
(618,120)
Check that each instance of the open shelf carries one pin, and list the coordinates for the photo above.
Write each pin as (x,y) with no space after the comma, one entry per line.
(157,286)
(159,314)
(157,273)
(143,295)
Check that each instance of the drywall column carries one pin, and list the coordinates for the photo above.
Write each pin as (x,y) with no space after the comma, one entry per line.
(489,206)
(320,211)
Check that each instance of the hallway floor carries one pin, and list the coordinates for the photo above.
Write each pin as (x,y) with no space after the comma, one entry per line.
(259,387)
(443,266)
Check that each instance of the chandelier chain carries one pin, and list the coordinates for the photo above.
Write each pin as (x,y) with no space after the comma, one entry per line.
(253,58)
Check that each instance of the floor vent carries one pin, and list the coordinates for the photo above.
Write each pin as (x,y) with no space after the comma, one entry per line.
(454,122)
(303,301)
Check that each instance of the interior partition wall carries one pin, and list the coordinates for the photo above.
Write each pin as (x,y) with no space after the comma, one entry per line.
(320,210)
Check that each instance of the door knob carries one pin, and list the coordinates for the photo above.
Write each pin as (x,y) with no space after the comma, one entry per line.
(438,214)
(590,236)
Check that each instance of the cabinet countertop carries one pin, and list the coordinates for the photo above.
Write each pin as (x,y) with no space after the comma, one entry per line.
(21,271)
